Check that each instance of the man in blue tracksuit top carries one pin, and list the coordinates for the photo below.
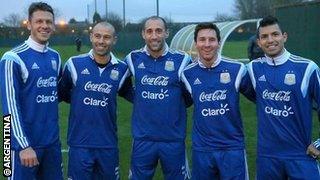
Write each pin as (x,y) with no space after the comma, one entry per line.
(29,76)
(90,83)
(218,148)
(159,109)
(285,86)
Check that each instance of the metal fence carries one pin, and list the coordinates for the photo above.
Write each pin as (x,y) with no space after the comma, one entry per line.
(301,22)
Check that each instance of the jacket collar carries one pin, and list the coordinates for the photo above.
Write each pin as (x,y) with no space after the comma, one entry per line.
(113,60)
(166,50)
(37,46)
(281,59)
(215,63)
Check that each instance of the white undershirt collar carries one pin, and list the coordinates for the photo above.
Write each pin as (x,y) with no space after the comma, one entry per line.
(166,49)
(281,59)
(215,63)
(37,46)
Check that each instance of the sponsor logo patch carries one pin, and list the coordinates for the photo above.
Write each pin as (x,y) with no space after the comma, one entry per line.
(290,79)
(225,78)
(169,66)
(114,75)
(85,71)
(197,81)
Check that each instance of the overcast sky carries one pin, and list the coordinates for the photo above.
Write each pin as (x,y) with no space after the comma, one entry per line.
(177,10)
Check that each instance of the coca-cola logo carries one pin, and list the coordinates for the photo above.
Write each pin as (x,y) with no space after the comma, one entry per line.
(49,82)
(215,96)
(155,81)
(276,96)
(103,87)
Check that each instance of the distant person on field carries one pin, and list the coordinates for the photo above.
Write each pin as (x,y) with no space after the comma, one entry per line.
(78,44)
(90,83)
(215,84)
(254,51)
(29,77)
(285,86)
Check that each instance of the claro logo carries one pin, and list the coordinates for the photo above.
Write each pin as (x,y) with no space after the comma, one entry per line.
(95,102)
(47,98)
(285,112)
(215,112)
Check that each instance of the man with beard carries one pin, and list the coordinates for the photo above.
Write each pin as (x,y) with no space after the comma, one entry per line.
(159,109)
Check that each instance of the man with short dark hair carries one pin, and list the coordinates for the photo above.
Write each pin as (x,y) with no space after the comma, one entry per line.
(285,87)
(215,83)
(159,108)
(90,83)
(30,73)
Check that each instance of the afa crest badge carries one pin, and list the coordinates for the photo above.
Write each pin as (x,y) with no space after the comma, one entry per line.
(290,79)
(169,66)
(225,78)
(54,64)
(114,75)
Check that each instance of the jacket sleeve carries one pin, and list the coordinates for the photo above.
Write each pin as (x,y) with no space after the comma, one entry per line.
(186,90)
(314,89)
(66,82)
(125,89)
(245,85)
(10,83)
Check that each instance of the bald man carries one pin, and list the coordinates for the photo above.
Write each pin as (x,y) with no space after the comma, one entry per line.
(90,83)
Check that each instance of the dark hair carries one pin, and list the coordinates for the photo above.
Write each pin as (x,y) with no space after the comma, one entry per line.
(206,25)
(154,18)
(268,21)
(36,6)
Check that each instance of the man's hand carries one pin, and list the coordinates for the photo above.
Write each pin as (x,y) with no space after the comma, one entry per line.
(28,157)
(313,151)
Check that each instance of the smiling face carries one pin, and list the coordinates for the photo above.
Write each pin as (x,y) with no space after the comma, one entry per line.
(271,40)
(207,45)
(154,34)
(102,39)
(41,25)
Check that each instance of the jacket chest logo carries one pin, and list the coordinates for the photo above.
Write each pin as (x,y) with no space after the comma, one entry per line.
(54,64)
(114,74)
(225,78)
(169,65)
(290,79)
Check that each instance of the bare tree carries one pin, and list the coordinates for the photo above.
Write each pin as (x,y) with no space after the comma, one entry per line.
(12,20)
(96,17)
(245,8)
(57,13)
(248,9)
(115,20)
(224,17)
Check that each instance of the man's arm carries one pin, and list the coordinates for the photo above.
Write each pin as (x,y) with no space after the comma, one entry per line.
(314,88)
(186,90)
(10,69)
(66,82)
(126,89)
(245,85)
